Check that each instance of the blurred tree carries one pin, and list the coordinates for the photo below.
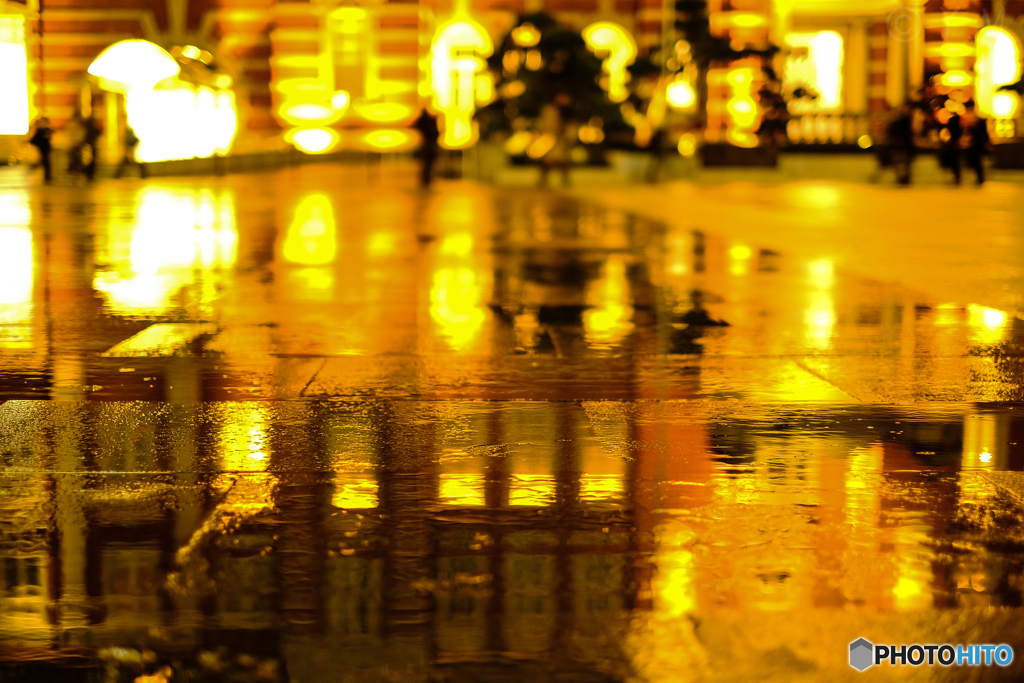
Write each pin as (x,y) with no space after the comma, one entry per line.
(540,62)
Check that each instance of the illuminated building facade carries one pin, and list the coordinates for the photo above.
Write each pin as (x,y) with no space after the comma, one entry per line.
(325,75)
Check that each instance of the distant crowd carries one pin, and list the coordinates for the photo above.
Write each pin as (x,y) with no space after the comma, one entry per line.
(83,134)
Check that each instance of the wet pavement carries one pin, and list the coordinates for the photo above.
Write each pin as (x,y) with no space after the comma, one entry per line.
(317,425)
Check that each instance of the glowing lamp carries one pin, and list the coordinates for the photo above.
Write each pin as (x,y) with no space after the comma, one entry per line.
(14,102)
(132,64)
(456,59)
(386,140)
(687,144)
(385,112)
(313,140)
(299,114)
(526,35)
(1005,105)
(340,100)
(680,94)
(998,64)
(619,48)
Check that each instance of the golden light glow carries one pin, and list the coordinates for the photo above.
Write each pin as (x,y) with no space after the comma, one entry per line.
(675,584)
(610,318)
(300,114)
(680,94)
(616,43)
(131,64)
(687,144)
(14,101)
(987,325)
(998,64)
(956,78)
(17,265)
(740,108)
(526,35)
(456,57)
(462,489)
(531,490)
(340,100)
(949,49)
(180,121)
(177,237)
(312,238)
(455,305)
(816,64)
(385,112)
(540,146)
(313,140)
(388,140)
(355,491)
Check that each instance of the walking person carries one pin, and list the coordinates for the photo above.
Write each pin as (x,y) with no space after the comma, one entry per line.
(42,140)
(426,124)
(976,141)
(949,145)
(554,123)
(900,135)
(131,143)
(90,138)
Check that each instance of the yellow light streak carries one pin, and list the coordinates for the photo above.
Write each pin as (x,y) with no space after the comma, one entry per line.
(616,43)
(312,239)
(14,94)
(385,112)
(355,492)
(456,57)
(387,139)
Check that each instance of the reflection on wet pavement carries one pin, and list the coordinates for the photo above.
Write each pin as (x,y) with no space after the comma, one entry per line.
(273,428)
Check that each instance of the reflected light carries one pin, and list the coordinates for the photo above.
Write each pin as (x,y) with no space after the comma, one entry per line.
(610,318)
(17,266)
(355,492)
(14,103)
(531,490)
(311,239)
(987,325)
(599,487)
(178,236)
(462,489)
(454,305)
(619,48)
(820,70)
(313,140)
(131,64)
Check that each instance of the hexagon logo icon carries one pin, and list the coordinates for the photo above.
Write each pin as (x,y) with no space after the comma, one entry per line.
(861,654)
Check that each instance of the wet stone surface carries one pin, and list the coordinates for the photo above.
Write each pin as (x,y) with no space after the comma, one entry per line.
(313,426)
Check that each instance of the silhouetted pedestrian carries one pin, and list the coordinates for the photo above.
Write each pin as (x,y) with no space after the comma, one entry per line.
(131,144)
(900,134)
(949,145)
(976,141)
(90,138)
(426,124)
(42,140)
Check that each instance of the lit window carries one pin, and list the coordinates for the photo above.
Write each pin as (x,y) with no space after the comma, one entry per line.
(14,108)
